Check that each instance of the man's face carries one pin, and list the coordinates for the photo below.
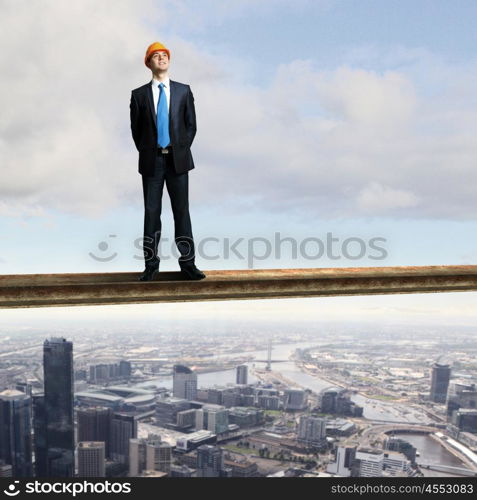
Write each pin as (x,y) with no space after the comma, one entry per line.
(159,61)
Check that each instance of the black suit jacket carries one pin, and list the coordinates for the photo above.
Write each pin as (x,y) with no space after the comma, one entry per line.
(182,126)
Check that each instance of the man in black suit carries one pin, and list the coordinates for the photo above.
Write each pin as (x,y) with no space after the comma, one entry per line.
(163,126)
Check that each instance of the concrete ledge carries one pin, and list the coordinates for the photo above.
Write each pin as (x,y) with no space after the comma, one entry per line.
(42,290)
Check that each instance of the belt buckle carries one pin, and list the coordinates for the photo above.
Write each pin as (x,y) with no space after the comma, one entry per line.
(164,151)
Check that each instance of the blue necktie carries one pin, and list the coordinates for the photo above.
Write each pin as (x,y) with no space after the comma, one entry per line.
(163,138)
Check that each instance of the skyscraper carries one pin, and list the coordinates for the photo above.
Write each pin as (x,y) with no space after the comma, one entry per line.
(25,387)
(123,428)
(465,420)
(242,375)
(343,462)
(394,443)
(158,455)
(461,394)
(91,459)
(312,430)
(439,382)
(210,462)
(370,462)
(137,456)
(149,454)
(213,418)
(58,406)
(94,424)
(15,432)
(294,399)
(124,368)
(40,436)
(184,384)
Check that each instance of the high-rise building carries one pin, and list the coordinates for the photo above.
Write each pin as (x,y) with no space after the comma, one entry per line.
(124,368)
(396,444)
(396,464)
(149,454)
(186,420)
(465,420)
(246,417)
(337,400)
(210,462)
(58,406)
(94,424)
(376,463)
(230,399)
(242,375)
(328,398)
(294,399)
(40,436)
(214,418)
(215,395)
(312,430)
(370,462)
(104,372)
(439,382)
(167,411)
(137,456)
(268,402)
(461,394)
(24,387)
(91,459)
(158,456)
(249,400)
(184,383)
(123,428)
(265,391)
(344,460)
(15,432)
(99,373)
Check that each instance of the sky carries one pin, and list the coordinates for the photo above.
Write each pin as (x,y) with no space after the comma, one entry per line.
(335,120)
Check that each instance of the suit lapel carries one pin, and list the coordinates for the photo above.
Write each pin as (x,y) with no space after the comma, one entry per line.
(150,100)
(172,104)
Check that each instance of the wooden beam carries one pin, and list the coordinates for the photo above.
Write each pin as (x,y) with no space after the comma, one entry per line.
(40,290)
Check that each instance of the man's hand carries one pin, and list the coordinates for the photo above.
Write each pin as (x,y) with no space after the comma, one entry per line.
(189,117)
(134,114)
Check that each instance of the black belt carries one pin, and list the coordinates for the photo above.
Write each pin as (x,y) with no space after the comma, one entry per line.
(164,151)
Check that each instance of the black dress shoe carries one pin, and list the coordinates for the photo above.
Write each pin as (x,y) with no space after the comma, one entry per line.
(149,274)
(191,272)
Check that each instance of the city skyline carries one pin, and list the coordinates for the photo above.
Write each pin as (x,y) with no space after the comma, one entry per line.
(331,133)
(347,376)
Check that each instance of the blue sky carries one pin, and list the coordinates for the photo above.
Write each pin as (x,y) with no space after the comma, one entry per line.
(327,31)
(356,118)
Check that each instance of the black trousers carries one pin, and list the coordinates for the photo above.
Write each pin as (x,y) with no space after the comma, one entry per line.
(178,189)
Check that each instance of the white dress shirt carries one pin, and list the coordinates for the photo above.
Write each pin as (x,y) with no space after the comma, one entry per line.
(155,92)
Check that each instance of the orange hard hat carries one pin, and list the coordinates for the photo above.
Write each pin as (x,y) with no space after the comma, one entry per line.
(155,47)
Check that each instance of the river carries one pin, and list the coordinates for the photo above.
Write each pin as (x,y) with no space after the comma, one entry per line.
(429,450)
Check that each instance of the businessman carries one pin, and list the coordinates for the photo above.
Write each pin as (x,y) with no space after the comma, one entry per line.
(163,126)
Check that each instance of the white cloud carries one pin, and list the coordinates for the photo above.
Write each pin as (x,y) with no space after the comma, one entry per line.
(366,98)
(376,198)
(68,71)
(348,141)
